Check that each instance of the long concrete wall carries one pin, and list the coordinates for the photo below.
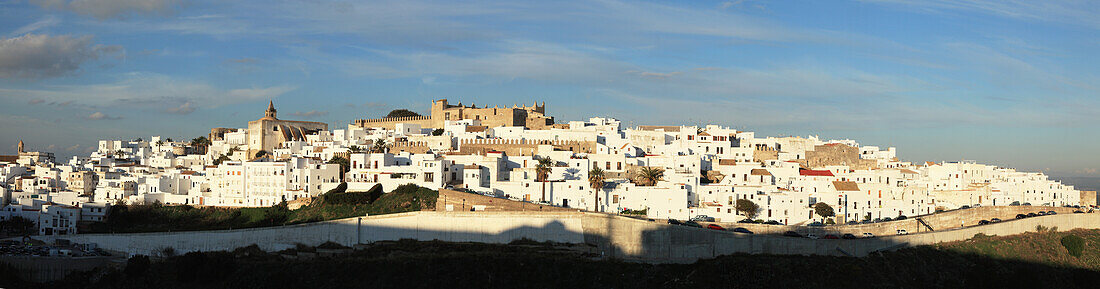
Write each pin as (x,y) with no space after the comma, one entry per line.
(611,236)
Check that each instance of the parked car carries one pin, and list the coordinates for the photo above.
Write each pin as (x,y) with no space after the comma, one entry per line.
(1078,212)
(746,221)
(983,222)
(995,220)
(693,224)
(964,207)
(849,236)
(1052,213)
(773,222)
(702,218)
(1032,215)
(812,236)
(791,234)
(1020,216)
(868,235)
(742,230)
(1041,213)
(675,222)
(887,219)
(902,218)
(831,236)
(853,223)
(903,232)
(715,227)
(816,224)
(868,221)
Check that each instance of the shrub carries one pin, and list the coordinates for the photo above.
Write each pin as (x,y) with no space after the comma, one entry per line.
(1074,244)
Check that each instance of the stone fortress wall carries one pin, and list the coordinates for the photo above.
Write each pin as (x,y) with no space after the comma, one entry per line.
(522,147)
(531,117)
(836,154)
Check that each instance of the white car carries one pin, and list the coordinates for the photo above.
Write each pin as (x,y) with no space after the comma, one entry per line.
(903,232)
(868,235)
(812,236)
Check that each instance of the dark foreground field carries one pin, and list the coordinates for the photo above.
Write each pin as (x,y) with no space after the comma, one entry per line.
(1033,260)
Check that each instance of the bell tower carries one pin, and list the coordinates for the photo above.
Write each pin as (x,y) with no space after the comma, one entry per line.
(270,112)
(21,146)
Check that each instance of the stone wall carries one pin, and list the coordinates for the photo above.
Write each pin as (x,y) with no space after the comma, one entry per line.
(1088,198)
(461,201)
(836,154)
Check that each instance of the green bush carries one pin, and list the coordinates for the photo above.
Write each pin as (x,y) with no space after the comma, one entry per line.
(1074,244)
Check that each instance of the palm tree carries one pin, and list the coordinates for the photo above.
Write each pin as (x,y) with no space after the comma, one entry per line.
(595,179)
(379,146)
(355,149)
(650,175)
(542,172)
(200,142)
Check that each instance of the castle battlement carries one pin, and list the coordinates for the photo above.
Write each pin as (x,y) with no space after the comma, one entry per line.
(518,142)
(389,119)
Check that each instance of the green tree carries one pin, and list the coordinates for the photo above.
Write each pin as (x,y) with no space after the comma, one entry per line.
(401,112)
(220,159)
(649,176)
(18,225)
(344,165)
(437,132)
(261,153)
(200,144)
(379,146)
(747,208)
(823,210)
(596,180)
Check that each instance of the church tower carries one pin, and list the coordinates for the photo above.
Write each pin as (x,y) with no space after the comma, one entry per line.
(270,113)
(20,146)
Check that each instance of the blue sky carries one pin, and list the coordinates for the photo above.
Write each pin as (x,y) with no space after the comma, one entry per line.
(1012,83)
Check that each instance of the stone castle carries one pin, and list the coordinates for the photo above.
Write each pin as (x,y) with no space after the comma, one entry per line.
(530,117)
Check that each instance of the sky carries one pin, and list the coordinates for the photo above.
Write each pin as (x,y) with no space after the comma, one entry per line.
(1010,83)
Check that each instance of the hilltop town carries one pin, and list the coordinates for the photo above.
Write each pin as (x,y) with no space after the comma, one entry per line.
(518,153)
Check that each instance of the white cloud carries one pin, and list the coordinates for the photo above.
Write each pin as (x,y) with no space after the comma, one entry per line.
(184,108)
(42,56)
(102,116)
(106,9)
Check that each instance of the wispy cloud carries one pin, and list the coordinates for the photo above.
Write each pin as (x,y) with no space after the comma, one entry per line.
(310,114)
(149,90)
(46,22)
(107,9)
(1083,13)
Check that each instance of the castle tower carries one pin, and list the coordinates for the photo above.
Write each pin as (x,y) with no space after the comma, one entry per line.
(270,112)
(20,146)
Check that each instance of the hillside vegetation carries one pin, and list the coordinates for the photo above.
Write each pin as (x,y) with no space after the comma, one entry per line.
(1033,260)
(1045,246)
(335,204)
